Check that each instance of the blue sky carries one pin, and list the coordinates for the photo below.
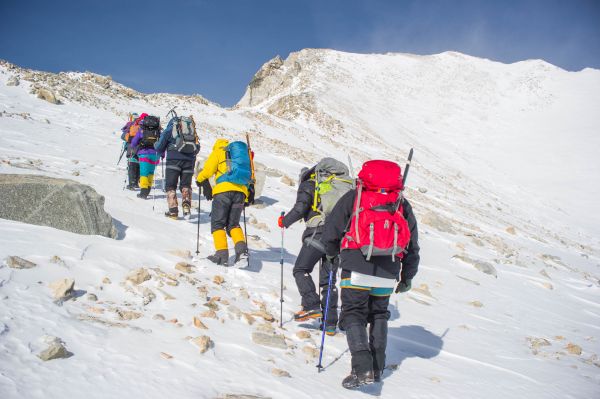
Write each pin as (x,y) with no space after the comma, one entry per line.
(215,47)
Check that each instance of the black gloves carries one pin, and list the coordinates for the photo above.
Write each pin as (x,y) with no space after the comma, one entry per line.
(251,194)
(206,189)
(403,286)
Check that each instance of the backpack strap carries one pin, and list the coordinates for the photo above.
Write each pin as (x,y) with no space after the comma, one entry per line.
(357,210)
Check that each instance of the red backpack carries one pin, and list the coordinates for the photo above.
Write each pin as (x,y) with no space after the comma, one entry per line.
(377,226)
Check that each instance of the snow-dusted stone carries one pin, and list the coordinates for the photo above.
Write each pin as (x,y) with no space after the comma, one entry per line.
(483,267)
(138,276)
(59,203)
(92,297)
(280,373)
(55,350)
(310,351)
(185,267)
(13,81)
(438,222)
(303,334)
(573,349)
(16,262)
(264,315)
(58,261)
(218,279)
(203,342)
(62,289)
(270,340)
(128,314)
(285,179)
(47,95)
(182,253)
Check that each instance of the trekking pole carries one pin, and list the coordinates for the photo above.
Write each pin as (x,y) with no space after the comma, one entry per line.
(122,152)
(162,170)
(407,167)
(126,176)
(246,234)
(153,190)
(320,366)
(198,232)
(281,294)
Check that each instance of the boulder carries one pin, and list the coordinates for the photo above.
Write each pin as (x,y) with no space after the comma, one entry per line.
(47,95)
(270,340)
(203,342)
(55,350)
(138,276)
(13,81)
(62,289)
(16,262)
(59,203)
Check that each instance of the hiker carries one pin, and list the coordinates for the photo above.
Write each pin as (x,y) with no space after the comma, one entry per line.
(143,143)
(133,166)
(230,164)
(180,141)
(319,189)
(374,256)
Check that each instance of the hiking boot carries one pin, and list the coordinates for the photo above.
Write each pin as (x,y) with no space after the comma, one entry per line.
(241,252)
(143,194)
(186,210)
(221,257)
(358,379)
(172,213)
(329,330)
(131,187)
(304,315)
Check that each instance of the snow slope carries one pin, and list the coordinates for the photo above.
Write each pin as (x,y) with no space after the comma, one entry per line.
(460,333)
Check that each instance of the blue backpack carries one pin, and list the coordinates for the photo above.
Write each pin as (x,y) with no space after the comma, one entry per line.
(238,164)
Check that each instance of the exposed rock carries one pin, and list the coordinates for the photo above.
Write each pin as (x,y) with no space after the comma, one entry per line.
(249,319)
(57,261)
(235,311)
(16,262)
(265,315)
(212,305)
(573,349)
(476,304)
(147,295)
(310,351)
(62,289)
(185,267)
(166,295)
(94,309)
(270,340)
(203,342)
(165,355)
(182,253)
(209,314)
(158,316)
(56,350)
(511,230)
(13,81)
(536,343)
(280,373)
(548,286)
(422,190)
(423,289)
(128,314)
(60,203)
(47,95)
(303,334)
(438,222)
(138,276)
(479,265)
(218,279)
(198,324)
(106,280)
(92,297)
(285,179)
(244,293)
(266,328)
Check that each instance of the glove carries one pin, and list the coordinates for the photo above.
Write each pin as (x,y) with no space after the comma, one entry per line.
(403,286)
(280,222)
(251,194)
(206,190)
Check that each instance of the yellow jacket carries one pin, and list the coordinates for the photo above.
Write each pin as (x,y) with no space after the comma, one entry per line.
(216,165)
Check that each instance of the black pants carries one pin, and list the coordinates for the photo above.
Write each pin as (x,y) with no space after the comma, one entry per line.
(227,209)
(360,308)
(305,263)
(133,172)
(178,171)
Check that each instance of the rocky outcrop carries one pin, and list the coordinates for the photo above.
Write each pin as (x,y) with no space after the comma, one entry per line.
(59,203)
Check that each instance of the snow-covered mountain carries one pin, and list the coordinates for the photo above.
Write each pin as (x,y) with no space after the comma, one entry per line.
(507,297)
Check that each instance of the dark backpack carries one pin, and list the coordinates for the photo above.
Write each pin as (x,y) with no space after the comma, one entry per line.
(150,131)
(184,132)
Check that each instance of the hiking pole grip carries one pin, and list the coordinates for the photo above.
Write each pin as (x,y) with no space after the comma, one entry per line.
(407,167)
(281,285)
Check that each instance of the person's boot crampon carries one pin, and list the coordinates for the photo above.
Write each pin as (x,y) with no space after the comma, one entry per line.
(143,194)
(356,379)
(220,257)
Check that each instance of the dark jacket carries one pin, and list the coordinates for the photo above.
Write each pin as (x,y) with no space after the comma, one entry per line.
(166,142)
(303,207)
(353,259)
